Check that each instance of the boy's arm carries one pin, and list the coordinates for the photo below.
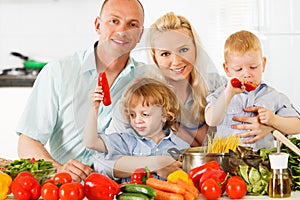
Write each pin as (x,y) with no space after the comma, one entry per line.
(90,134)
(286,125)
(216,111)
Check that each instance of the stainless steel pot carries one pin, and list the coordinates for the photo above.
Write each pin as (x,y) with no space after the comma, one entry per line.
(195,156)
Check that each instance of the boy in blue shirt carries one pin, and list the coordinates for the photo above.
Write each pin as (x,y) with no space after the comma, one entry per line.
(244,61)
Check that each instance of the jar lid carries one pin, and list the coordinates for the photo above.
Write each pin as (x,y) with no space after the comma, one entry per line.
(279,160)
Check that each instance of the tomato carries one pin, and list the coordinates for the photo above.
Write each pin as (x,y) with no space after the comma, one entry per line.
(80,190)
(235,82)
(49,191)
(236,187)
(71,191)
(217,174)
(210,189)
(62,178)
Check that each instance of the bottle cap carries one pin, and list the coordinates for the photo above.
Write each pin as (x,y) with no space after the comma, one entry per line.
(279,160)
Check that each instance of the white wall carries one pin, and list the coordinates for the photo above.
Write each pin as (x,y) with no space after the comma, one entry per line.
(50,29)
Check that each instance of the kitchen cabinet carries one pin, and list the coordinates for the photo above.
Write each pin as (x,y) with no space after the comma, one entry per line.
(12,103)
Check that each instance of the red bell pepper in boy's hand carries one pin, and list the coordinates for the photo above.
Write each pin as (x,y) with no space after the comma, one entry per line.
(25,187)
(140,175)
(196,173)
(102,81)
(250,86)
(98,186)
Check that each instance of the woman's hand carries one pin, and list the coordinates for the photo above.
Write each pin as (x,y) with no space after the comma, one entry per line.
(252,126)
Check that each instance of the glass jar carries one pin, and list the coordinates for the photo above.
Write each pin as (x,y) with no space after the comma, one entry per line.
(279,185)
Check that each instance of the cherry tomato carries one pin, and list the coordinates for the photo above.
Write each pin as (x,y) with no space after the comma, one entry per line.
(49,191)
(71,191)
(62,178)
(235,82)
(210,189)
(236,187)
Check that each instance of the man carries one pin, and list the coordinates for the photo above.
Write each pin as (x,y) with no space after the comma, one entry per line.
(57,108)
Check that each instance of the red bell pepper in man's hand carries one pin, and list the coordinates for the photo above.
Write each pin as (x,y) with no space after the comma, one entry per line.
(102,81)
(26,187)
(98,186)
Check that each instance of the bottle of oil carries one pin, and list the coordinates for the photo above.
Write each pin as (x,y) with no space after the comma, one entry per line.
(280,185)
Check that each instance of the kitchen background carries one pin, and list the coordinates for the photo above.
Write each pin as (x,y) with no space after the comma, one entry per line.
(49,29)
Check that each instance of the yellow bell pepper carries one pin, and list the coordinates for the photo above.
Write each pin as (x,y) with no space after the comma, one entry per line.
(5,182)
(172,178)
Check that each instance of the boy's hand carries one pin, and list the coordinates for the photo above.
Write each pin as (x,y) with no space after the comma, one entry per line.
(235,86)
(97,97)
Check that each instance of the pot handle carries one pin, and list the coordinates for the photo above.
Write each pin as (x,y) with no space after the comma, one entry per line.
(175,153)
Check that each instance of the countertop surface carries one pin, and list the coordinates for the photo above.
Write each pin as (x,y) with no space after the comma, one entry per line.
(16,81)
(294,196)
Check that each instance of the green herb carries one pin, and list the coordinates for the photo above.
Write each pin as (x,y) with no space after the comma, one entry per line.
(293,163)
(40,169)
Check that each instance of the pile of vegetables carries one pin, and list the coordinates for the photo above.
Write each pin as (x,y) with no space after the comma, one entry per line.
(212,181)
(252,168)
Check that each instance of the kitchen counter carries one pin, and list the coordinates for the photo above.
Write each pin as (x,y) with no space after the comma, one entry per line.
(294,196)
(18,77)
(16,81)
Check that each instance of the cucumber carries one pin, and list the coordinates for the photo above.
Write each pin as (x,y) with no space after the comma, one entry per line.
(132,196)
(138,188)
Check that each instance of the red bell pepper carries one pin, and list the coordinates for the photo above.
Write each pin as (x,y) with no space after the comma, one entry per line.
(217,174)
(196,173)
(98,186)
(250,86)
(102,81)
(25,187)
(140,175)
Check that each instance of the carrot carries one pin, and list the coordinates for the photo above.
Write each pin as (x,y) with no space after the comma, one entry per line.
(162,195)
(188,187)
(165,186)
(189,196)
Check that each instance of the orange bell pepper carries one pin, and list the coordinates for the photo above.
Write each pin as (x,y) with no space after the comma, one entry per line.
(5,182)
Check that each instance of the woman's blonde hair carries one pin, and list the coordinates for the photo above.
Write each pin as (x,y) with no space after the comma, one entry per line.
(241,42)
(152,92)
(199,87)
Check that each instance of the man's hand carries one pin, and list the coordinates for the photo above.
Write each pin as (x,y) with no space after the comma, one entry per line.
(76,169)
(252,126)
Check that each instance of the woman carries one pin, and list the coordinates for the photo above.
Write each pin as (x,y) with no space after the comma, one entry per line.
(184,64)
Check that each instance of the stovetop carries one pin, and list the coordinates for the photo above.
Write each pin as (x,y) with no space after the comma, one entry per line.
(18,77)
